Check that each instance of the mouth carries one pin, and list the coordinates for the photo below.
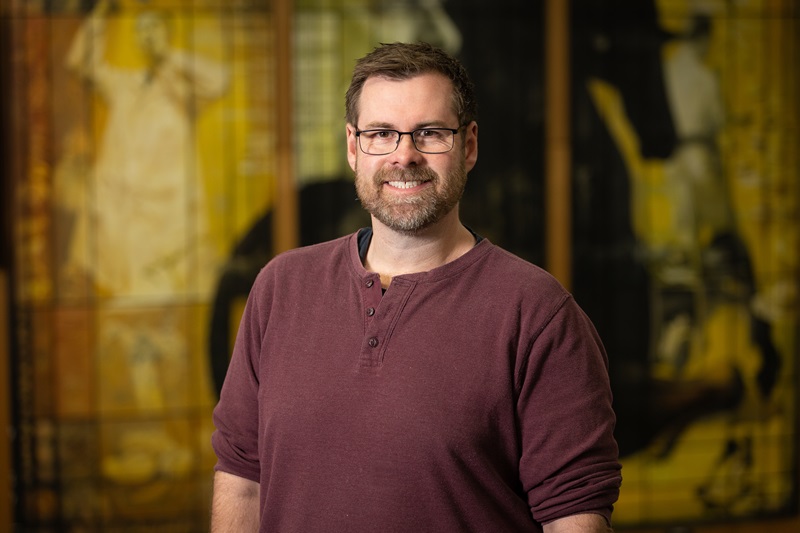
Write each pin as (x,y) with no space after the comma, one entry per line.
(407,181)
(405,184)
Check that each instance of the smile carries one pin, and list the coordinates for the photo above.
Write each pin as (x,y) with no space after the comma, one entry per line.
(405,184)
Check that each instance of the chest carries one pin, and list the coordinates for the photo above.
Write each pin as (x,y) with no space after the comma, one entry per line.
(421,369)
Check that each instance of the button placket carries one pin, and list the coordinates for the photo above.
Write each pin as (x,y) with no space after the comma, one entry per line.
(381,312)
(372,297)
(372,323)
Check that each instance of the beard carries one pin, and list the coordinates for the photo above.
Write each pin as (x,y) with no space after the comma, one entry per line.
(411,213)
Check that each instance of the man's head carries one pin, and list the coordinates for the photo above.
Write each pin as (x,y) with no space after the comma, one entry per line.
(411,181)
(400,61)
(153,33)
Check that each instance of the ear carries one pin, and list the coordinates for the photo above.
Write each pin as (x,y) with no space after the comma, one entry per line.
(470,145)
(352,146)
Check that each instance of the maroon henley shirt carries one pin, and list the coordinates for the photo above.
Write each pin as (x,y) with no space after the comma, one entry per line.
(473,397)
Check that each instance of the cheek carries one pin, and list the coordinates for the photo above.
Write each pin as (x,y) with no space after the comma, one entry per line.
(365,168)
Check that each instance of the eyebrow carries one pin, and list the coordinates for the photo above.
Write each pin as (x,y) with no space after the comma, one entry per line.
(419,125)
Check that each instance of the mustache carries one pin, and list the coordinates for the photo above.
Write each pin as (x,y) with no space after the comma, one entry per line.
(405,174)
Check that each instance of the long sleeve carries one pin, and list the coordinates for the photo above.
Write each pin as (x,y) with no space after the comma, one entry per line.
(236,416)
(569,455)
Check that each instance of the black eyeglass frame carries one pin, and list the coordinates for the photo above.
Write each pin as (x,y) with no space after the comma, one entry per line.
(400,134)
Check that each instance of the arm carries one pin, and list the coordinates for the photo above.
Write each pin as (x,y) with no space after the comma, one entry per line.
(234,507)
(87,50)
(236,503)
(208,79)
(579,523)
(568,465)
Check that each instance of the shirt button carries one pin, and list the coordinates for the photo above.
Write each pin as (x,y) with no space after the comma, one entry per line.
(370,283)
(373,342)
(370,311)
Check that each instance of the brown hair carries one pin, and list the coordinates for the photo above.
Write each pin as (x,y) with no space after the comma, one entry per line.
(401,61)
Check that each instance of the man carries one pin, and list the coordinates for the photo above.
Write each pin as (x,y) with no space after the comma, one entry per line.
(412,376)
(149,219)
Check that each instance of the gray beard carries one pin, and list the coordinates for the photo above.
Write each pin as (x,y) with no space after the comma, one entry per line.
(413,213)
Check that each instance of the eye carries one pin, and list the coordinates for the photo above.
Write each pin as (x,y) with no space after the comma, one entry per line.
(379,135)
(430,134)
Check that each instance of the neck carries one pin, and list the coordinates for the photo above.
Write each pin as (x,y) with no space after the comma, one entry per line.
(154,64)
(392,253)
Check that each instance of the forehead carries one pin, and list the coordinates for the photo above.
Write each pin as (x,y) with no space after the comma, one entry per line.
(423,99)
(150,20)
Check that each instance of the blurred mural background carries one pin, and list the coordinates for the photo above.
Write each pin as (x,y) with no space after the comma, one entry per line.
(140,169)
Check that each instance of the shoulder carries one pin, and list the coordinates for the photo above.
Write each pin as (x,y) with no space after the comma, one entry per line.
(514,291)
(512,273)
(315,262)
(114,81)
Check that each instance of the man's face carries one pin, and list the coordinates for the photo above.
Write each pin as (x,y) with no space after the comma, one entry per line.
(152,34)
(407,190)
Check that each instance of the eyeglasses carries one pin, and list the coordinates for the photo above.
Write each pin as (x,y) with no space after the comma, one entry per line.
(426,140)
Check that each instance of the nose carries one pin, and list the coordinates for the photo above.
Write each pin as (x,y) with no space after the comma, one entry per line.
(406,153)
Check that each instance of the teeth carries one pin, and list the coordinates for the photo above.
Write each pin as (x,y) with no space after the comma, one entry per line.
(404,184)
